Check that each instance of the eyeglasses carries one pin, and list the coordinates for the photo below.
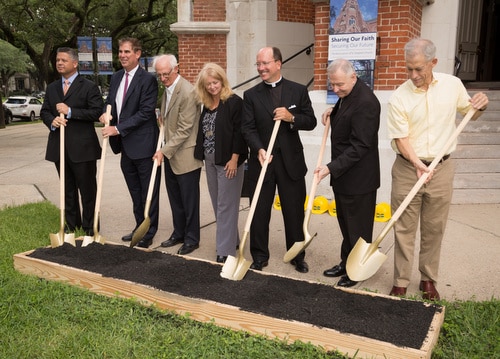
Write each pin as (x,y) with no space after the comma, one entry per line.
(264,63)
(160,76)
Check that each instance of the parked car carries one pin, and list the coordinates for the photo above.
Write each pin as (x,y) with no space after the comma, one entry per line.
(7,114)
(25,107)
(38,94)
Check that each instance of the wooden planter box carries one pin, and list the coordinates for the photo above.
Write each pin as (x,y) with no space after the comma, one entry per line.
(233,317)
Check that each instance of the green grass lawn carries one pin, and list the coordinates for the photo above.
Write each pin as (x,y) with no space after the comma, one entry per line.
(45,319)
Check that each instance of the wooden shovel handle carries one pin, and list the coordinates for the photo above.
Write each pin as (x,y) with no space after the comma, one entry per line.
(423,178)
(62,173)
(101,172)
(152,179)
(316,178)
(262,174)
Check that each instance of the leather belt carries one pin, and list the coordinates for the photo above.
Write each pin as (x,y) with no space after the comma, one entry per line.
(428,163)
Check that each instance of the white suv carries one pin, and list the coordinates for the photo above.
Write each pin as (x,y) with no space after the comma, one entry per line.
(25,107)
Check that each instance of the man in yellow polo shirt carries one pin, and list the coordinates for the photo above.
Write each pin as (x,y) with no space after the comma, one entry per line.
(421,118)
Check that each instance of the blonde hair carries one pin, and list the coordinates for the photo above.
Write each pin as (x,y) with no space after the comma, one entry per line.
(218,73)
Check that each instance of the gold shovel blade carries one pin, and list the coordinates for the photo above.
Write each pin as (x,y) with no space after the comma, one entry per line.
(87,240)
(140,232)
(70,238)
(364,260)
(96,238)
(58,239)
(235,268)
(99,239)
(298,247)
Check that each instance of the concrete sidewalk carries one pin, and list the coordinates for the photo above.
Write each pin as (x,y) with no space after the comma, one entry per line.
(470,267)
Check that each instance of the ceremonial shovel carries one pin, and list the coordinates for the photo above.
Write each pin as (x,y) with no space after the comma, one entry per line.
(302,245)
(365,259)
(235,268)
(57,239)
(143,228)
(97,237)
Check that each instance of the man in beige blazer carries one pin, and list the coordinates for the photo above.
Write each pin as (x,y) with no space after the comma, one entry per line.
(180,113)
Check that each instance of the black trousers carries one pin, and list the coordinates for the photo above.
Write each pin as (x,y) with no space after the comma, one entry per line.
(184,196)
(80,181)
(292,197)
(355,214)
(137,174)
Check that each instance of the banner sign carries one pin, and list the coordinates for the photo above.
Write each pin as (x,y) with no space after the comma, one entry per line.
(85,52)
(353,36)
(104,55)
(86,55)
(147,64)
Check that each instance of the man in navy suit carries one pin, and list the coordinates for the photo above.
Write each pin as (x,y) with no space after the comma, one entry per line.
(354,168)
(133,131)
(81,103)
(276,98)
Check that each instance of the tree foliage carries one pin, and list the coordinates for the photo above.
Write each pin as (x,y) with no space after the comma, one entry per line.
(39,27)
(12,60)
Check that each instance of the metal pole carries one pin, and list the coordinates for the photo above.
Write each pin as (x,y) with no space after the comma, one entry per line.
(94,56)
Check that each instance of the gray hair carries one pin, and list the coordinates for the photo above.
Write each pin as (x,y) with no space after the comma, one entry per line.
(171,59)
(343,65)
(417,47)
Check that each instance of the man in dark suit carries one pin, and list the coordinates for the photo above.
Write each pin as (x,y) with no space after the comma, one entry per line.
(81,103)
(276,98)
(354,168)
(133,132)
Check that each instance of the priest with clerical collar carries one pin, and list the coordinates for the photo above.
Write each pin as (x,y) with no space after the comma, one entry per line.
(277,99)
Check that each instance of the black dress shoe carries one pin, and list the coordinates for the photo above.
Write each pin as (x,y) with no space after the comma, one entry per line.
(128,237)
(172,241)
(145,243)
(345,281)
(335,271)
(221,259)
(89,232)
(187,248)
(300,265)
(258,265)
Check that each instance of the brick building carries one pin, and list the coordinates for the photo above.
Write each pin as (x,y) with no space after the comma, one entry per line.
(230,32)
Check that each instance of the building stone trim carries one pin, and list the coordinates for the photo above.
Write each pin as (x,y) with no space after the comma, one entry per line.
(200,27)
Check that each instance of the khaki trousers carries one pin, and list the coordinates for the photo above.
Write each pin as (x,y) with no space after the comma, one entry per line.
(430,208)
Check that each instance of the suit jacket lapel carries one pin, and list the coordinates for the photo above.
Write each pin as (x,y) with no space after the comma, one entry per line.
(264,97)
(133,83)
(113,91)
(73,86)
(337,111)
(163,111)
(60,92)
(175,94)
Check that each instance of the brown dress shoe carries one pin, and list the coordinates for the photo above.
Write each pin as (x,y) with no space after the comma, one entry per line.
(398,291)
(429,290)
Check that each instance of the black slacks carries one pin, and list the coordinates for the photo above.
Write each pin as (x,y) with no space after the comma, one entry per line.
(355,214)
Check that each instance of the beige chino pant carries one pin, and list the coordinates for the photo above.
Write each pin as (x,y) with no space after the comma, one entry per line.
(430,208)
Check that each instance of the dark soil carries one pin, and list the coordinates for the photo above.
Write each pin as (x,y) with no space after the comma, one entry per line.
(403,323)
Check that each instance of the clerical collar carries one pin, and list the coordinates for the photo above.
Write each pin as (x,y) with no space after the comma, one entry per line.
(274,84)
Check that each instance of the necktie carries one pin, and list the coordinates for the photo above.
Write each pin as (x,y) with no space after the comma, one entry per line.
(125,88)
(66,87)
